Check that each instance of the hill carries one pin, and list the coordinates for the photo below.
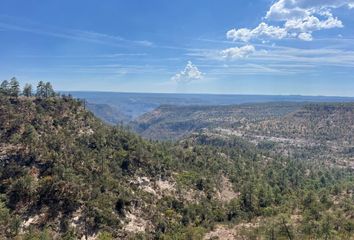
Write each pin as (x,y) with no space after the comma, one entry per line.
(174,122)
(66,175)
(300,130)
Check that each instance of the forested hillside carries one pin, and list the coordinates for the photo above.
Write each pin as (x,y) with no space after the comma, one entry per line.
(175,122)
(316,131)
(64,174)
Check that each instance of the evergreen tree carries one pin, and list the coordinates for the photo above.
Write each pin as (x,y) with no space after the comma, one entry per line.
(14,87)
(49,92)
(27,90)
(4,216)
(40,90)
(30,135)
(4,87)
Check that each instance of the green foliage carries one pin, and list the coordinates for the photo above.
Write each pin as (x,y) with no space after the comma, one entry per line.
(10,88)
(40,93)
(22,190)
(4,87)
(82,177)
(44,90)
(105,236)
(14,87)
(27,90)
(4,217)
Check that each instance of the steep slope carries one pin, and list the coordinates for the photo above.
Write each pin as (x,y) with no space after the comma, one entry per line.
(108,114)
(66,175)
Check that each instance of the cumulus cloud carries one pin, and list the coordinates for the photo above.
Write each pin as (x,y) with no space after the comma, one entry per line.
(297,19)
(189,74)
(305,36)
(312,23)
(262,30)
(243,34)
(237,52)
(290,9)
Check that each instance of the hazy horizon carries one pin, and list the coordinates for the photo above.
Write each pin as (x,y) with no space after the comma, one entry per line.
(201,93)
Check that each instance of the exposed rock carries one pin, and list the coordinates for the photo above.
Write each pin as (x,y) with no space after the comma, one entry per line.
(226,192)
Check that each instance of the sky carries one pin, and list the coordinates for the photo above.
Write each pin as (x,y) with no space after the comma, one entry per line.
(272,47)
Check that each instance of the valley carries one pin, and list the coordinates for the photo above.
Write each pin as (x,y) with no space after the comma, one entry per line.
(300,129)
(247,171)
(317,131)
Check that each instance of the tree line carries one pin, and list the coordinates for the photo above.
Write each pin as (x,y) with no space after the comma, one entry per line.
(12,88)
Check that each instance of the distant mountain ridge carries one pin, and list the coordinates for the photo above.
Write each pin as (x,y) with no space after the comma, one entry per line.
(133,105)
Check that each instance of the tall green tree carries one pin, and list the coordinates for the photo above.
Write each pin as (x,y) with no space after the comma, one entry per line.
(40,90)
(4,217)
(14,87)
(27,90)
(48,89)
(4,87)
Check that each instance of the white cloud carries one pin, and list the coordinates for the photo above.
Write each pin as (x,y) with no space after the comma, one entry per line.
(189,74)
(262,30)
(265,30)
(237,52)
(305,36)
(284,10)
(312,23)
(294,9)
(297,19)
(243,34)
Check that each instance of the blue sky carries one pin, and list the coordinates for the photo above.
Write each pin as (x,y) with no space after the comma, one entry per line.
(192,46)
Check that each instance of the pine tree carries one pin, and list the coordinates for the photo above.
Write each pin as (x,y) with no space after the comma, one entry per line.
(40,90)
(49,92)
(27,90)
(4,87)
(14,87)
